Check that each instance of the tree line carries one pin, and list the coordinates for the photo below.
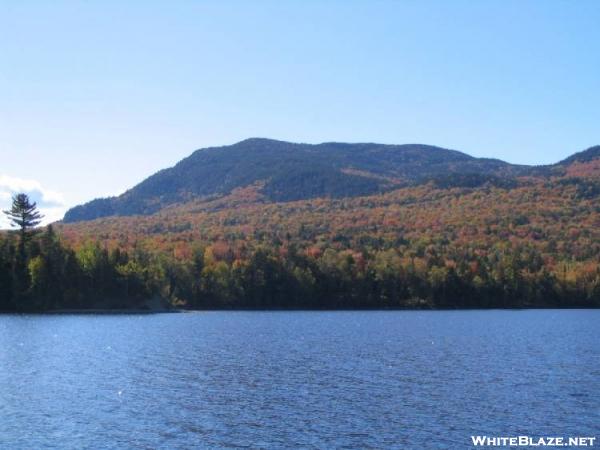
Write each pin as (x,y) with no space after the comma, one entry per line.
(38,272)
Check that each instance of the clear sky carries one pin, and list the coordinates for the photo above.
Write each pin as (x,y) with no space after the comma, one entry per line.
(95,96)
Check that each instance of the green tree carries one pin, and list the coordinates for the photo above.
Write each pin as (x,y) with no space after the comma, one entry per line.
(6,280)
(24,214)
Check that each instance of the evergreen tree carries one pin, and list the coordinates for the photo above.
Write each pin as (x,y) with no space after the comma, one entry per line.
(6,282)
(23,214)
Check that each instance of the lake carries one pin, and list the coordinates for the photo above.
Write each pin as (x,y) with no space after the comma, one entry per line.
(397,379)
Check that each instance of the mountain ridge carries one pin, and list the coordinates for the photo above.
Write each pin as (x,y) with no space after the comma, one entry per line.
(296,171)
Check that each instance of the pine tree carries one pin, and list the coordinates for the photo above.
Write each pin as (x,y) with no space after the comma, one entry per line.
(24,215)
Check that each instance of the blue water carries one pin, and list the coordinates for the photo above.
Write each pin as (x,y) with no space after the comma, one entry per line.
(285,379)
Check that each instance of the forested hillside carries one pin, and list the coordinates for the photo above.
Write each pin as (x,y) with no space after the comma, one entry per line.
(290,172)
(509,237)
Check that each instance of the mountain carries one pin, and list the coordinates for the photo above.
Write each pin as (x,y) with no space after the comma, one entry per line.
(585,156)
(268,224)
(287,171)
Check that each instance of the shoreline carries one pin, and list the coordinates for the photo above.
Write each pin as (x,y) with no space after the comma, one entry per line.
(99,311)
(95,311)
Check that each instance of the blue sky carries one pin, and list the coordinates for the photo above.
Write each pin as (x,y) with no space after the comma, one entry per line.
(95,96)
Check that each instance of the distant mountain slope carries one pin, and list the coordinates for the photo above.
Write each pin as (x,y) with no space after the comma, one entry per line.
(289,171)
(585,156)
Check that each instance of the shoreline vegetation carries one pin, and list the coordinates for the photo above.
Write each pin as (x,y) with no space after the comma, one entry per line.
(42,270)
(55,278)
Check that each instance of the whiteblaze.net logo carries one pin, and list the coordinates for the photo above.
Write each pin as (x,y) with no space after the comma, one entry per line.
(528,441)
